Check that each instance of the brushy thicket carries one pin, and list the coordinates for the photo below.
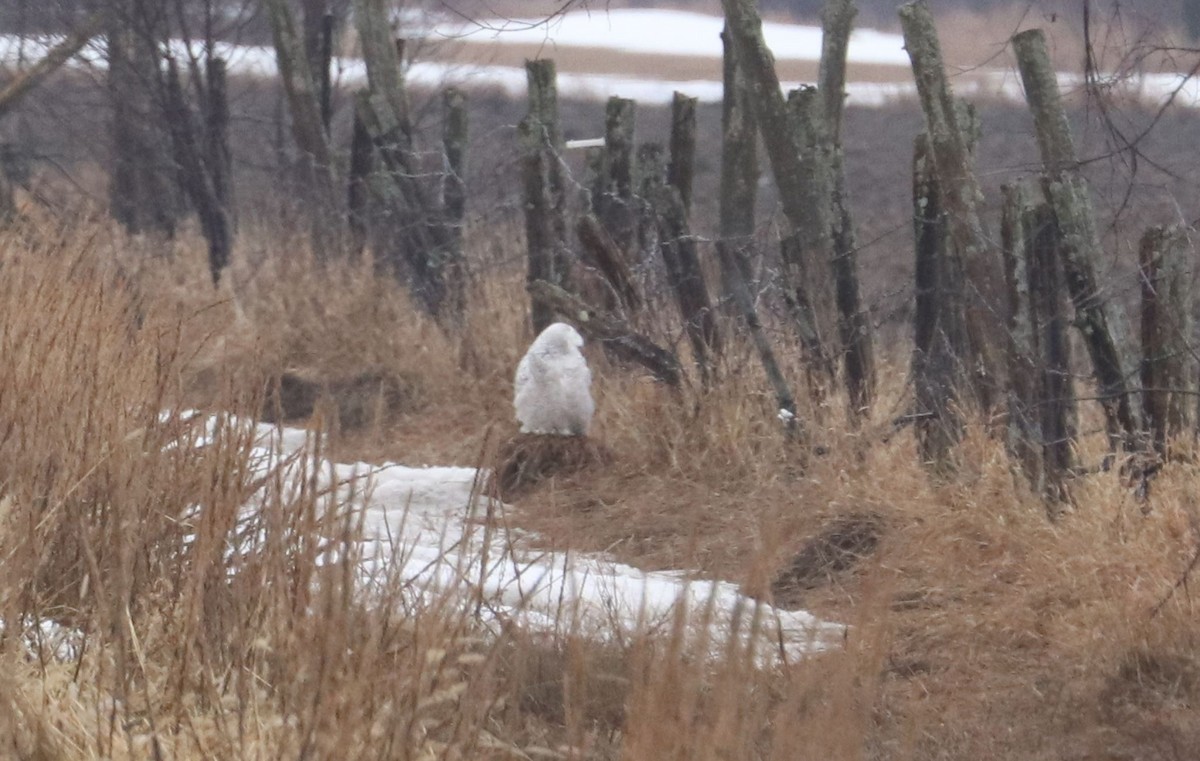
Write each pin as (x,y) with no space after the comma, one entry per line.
(978,628)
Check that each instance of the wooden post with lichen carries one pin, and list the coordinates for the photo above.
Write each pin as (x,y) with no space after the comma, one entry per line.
(807,250)
(939,337)
(543,187)
(950,158)
(681,168)
(1056,395)
(651,168)
(1024,424)
(854,326)
(615,205)
(1097,318)
(1041,401)
(738,194)
(1165,268)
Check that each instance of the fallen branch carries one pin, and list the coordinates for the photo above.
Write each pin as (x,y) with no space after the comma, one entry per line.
(613,332)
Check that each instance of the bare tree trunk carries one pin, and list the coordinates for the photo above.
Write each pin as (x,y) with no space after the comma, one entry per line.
(545,212)
(417,236)
(199,176)
(318,49)
(1165,260)
(1098,319)
(143,193)
(362,162)
(682,167)
(219,158)
(959,193)
(854,325)
(454,194)
(308,130)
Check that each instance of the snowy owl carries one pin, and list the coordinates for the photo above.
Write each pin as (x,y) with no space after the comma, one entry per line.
(553,384)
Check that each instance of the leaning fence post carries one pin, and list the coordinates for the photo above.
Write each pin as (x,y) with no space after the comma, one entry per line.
(738,193)
(950,157)
(854,325)
(1098,319)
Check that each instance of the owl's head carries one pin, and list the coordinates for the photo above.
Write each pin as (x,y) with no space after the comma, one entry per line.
(560,338)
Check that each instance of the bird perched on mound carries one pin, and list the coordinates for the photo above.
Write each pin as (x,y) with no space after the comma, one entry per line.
(553,385)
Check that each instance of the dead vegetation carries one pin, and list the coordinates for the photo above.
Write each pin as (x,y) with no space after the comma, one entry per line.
(971,615)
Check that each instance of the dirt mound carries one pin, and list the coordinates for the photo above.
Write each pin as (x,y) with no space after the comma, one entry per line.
(529,459)
(357,400)
(841,544)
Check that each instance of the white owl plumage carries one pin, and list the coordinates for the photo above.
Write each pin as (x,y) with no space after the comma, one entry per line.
(552,391)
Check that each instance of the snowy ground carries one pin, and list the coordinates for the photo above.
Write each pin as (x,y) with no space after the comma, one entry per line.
(639,32)
(427,530)
(658,32)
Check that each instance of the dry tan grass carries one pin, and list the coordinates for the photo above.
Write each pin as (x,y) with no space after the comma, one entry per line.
(979,628)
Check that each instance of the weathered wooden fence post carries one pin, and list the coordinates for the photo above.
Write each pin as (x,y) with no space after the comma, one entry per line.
(939,333)
(958,191)
(1165,263)
(615,206)
(1024,387)
(780,132)
(807,250)
(1041,403)
(544,199)
(684,274)
(738,194)
(1056,402)
(739,159)
(1098,319)
(854,325)
(681,168)
(651,172)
